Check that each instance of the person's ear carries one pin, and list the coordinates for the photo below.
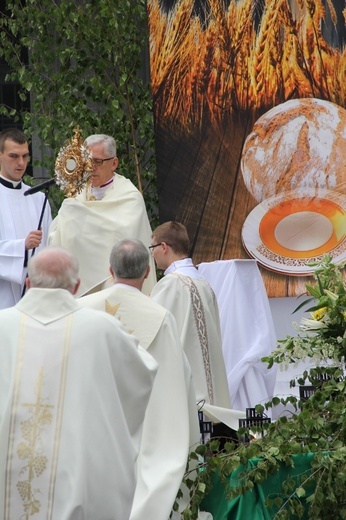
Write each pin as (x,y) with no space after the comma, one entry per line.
(112,272)
(164,247)
(27,283)
(115,163)
(147,272)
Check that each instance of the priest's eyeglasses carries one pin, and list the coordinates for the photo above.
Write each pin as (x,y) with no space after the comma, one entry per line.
(151,248)
(99,162)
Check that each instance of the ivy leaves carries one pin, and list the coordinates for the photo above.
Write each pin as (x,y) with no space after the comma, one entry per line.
(314,429)
(82,64)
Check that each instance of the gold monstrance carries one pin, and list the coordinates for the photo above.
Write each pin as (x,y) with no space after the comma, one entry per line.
(73,165)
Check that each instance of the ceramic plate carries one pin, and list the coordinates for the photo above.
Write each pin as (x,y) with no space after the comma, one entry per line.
(287,232)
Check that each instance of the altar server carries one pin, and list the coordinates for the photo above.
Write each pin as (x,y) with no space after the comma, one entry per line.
(110,208)
(74,387)
(170,425)
(19,217)
(189,297)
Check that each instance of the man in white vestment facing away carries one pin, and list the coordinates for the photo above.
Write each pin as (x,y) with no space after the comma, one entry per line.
(74,387)
(110,208)
(19,217)
(191,300)
(171,421)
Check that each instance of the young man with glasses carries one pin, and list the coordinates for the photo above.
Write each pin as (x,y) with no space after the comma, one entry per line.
(19,217)
(191,300)
(108,209)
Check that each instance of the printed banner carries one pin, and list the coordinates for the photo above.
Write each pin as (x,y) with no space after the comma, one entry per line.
(250,121)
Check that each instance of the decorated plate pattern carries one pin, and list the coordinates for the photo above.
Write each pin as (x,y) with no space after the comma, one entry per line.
(287,232)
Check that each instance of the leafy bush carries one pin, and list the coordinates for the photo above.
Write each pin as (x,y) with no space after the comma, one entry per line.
(316,427)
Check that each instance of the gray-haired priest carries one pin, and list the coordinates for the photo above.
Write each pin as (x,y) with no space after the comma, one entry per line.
(110,208)
(74,388)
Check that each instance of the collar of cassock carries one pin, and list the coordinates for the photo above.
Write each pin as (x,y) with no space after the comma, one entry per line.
(100,191)
(10,184)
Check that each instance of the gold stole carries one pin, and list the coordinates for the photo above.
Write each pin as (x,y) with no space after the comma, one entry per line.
(36,419)
(201,327)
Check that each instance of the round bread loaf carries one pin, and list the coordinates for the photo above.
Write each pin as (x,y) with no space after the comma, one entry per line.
(299,144)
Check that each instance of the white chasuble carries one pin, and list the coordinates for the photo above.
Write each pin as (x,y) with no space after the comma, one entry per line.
(74,388)
(193,304)
(170,425)
(90,228)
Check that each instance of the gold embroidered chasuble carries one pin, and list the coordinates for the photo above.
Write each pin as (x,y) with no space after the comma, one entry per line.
(36,420)
(70,413)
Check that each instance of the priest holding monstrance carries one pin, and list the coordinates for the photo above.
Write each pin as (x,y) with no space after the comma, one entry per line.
(101,208)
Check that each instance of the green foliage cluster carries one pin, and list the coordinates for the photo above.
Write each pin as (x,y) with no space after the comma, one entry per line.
(315,428)
(322,336)
(81,63)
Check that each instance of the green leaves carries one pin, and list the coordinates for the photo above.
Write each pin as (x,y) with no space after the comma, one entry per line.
(315,429)
(85,67)
(322,335)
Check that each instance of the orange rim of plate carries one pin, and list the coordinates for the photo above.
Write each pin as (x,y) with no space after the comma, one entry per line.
(325,207)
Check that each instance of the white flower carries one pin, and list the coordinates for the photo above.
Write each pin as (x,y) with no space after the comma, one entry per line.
(307,324)
(331,295)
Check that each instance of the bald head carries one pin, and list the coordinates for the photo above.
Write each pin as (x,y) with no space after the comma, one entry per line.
(53,268)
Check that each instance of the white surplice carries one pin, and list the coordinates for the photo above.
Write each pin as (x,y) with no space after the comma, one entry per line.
(193,304)
(90,228)
(74,387)
(19,215)
(170,425)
